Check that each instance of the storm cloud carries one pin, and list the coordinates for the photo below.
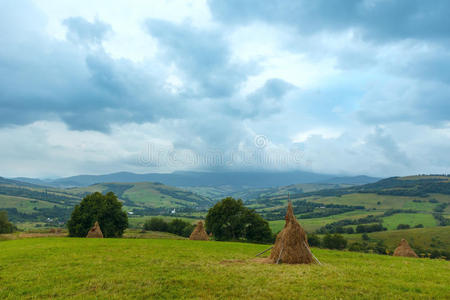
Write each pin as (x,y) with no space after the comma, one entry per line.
(360,86)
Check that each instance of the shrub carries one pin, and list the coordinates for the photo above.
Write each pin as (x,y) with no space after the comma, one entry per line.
(5,225)
(176,226)
(314,240)
(106,209)
(403,226)
(180,227)
(365,237)
(419,226)
(335,241)
(156,224)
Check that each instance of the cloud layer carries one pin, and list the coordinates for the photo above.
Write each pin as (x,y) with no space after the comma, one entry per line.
(328,86)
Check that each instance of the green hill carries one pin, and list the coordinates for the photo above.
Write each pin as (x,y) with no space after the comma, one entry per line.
(61,268)
(31,203)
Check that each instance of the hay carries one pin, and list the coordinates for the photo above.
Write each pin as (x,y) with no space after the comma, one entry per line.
(404,249)
(291,245)
(199,233)
(95,232)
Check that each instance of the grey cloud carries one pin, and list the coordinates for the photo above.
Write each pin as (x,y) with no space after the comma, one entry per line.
(387,145)
(83,31)
(377,19)
(83,87)
(266,100)
(203,56)
(406,101)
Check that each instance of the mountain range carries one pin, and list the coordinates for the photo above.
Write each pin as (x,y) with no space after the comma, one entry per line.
(206,179)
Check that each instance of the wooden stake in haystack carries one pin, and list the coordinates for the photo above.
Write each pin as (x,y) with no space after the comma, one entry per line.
(199,233)
(404,249)
(291,245)
(95,232)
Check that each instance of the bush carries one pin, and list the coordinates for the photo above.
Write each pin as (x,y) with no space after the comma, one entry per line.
(229,219)
(359,247)
(335,241)
(156,224)
(106,209)
(314,240)
(180,227)
(419,226)
(365,237)
(403,226)
(5,225)
(369,228)
(176,226)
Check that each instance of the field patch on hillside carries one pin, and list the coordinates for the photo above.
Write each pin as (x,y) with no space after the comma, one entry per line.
(391,222)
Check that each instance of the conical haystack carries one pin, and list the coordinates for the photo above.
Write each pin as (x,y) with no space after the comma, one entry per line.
(95,232)
(404,249)
(291,245)
(199,233)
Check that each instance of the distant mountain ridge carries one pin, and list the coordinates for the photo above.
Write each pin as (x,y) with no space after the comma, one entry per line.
(186,179)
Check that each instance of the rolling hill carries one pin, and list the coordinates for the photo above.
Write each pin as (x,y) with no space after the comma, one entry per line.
(26,202)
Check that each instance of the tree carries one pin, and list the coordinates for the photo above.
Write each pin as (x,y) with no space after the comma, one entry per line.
(5,225)
(156,224)
(256,228)
(229,219)
(106,209)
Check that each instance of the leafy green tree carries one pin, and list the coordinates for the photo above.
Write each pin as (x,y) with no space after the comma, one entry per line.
(5,225)
(229,219)
(256,228)
(106,209)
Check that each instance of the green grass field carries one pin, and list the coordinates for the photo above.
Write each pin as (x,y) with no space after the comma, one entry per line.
(61,268)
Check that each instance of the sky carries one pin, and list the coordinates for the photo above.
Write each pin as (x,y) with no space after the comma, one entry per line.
(327,86)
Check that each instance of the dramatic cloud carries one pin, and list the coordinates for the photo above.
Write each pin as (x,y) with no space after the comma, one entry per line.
(345,87)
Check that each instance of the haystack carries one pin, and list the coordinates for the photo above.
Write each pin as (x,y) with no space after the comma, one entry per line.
(404,249)
(95,232)
(291,245)
(199,233)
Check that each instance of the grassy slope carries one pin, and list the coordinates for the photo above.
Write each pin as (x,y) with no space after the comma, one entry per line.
(24,205)
(138,268)
(423,238)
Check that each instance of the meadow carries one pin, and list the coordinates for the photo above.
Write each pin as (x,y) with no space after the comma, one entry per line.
(62,268)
